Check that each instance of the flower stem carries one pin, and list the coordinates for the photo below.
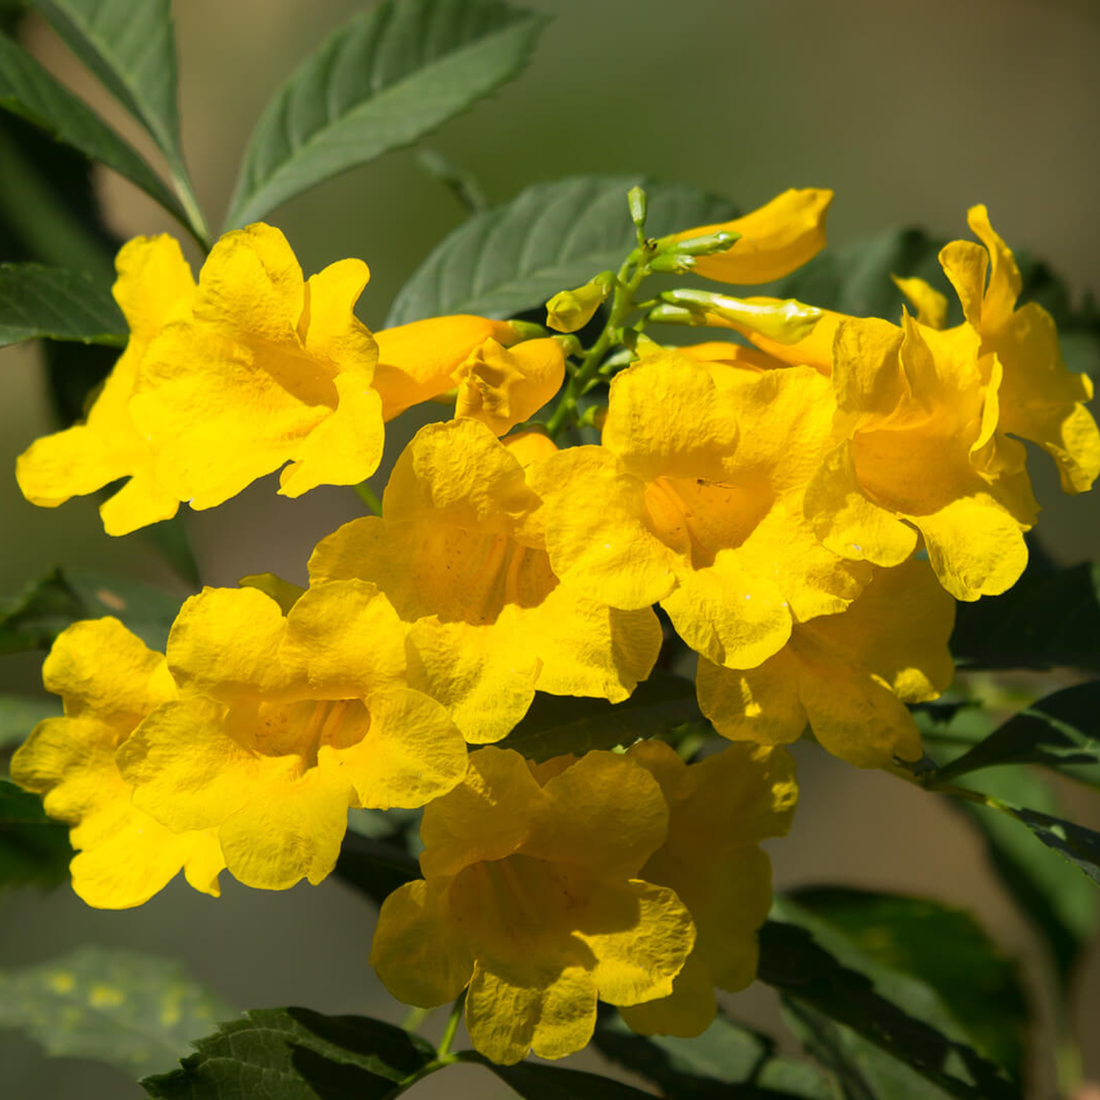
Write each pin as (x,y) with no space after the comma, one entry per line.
(366,494)
(444,1048)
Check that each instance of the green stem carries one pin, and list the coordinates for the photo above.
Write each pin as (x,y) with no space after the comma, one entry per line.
(415,1017)
(444,1048)
(366,495)
(588,373)
(424,1071)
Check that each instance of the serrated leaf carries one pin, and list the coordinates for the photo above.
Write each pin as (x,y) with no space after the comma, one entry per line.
(19,714)
(28,90)
(48,302)
(557,724)
(1048,618)
(1060,731)
(388,77)
(534,1081)
(945,948)
(727,1062)
(550,237)
(33,619)
(34,849)
(816,967)
(133,1011)
(295,1054)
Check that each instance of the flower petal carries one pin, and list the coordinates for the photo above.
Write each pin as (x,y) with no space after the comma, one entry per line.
(502,387)
(686,1012)
(418,950)
(775,239)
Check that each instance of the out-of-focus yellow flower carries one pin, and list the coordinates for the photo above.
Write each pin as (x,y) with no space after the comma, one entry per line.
(283,722)
(694,499)
(918,450)
(416,361)
(154,283)
(531,896)
(503,386)
(775,239)
(459,554)
(1039,399)
(109,681)
(719,811)
(265,369)
(847,675)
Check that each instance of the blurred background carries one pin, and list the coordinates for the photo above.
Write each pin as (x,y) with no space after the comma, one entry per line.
(911,112)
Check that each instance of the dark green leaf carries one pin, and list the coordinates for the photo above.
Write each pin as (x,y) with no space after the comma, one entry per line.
(19,714)
(135,1012)
(558,724)
(817,967)
(727,1062)
(375,867)
(387,78)
(1059,731)
(34,850)
(1049,617)
(945,948)
(550,237)
(38,301)
(28,90)
(533,1081)
(1062,904)
(1075,843)
(295,1054)
(33,619)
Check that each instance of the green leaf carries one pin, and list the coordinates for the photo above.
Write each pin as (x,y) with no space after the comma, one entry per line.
(38,301)
(727,1062)
(133,1011)
(1075,843)
(28,90)
(387,78)
(945,948)
(817,968)
(295,1054)
(19,714)
(550,237)
(534,1081)
(557,724)
(1060,731)
(34,849)
(33,619)
(1061,903)
(1049,617)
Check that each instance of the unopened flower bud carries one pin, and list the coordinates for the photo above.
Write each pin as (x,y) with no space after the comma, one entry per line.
(638,201)
(706,245)
(672,262)
(785,322)
(570,310)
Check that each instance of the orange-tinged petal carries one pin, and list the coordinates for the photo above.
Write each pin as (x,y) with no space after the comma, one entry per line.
(775,239)
(503,386)
(416,361)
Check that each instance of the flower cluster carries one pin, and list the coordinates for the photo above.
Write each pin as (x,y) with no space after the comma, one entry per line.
(804,505)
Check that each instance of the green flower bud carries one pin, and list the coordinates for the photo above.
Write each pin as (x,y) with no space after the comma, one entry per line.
(570,310)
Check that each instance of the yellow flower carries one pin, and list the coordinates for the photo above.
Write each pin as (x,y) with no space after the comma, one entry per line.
(918,450)
(109,681)
(502,387)
(283,722)
(531,896)
(416,361)
(719,812)
(694,499)
(265,369)
(154,283)
(459,554)
(847,675)
(775,239)
(1039,398)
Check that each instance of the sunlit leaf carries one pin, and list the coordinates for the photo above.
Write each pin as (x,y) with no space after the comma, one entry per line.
(550,237)
(388,77)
